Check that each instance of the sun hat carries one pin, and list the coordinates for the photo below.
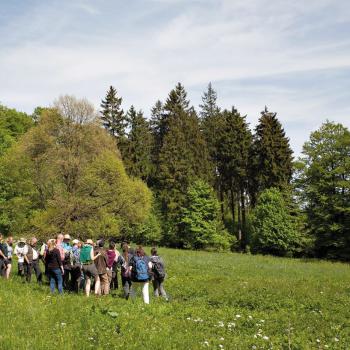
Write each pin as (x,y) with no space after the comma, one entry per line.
(22,240)
(66,236)
(89,241)
(75,241)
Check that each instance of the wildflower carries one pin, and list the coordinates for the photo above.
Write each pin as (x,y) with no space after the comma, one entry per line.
(262,321)
(254,347)
(318,340)
(206,343)
(265,337)
(336,339)
(238,316)
(63,324)
(222,338)
(250,317)
(221,346)
(221,324)
(188,318)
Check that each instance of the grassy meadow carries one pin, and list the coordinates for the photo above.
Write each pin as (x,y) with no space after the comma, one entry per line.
(218,301)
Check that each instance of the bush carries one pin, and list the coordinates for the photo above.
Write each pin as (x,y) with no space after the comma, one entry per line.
(200,225)
(273,228)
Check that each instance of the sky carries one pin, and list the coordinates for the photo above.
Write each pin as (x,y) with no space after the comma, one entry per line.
(292,56)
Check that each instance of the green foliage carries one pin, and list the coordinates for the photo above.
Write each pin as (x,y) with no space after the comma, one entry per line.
(12,125)
(68,177)
(112,116)
(137,158)
(271,156)
(273,228)
(323,181)
(200,223)
(182,158)
(234,300)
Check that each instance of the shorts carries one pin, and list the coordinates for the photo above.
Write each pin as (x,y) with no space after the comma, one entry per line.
(90,270)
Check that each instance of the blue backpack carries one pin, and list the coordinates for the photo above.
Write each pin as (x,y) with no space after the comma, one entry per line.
(140,269)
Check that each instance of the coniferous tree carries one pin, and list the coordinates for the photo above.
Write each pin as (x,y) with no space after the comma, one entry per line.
(271,156)
(112,115)
(210,114)
(233,145)
(138,155)
(182,158)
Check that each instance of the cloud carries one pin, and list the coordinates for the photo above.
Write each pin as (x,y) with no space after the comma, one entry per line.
(293,57)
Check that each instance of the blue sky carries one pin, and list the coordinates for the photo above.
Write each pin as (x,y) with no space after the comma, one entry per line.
(293,56)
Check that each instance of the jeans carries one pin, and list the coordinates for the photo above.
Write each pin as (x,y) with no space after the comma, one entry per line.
(158,287)
(34,265)
(56,276)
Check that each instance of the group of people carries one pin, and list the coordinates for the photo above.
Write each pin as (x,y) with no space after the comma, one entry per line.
(73,265)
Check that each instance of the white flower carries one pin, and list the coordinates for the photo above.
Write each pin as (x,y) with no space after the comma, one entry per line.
(255,336)
(336,339)
(265,337)
(206,343)
(188,318)
(221,324)
(250,317)
(262,321)
(238,316)
(222,338)
(326,346)
(254,347)
(221,346)
(318,340)
(63,324)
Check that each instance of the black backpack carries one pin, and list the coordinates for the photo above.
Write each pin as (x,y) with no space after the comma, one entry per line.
(158,267)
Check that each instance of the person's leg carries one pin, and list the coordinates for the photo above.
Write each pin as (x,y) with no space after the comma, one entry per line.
(155,284)
(21,270)
(97,285)
(59,281)
(52,281)
(116,283)
(104,284)
(8,270)
(28,272)
(162,290)
(37,270)
(145,292)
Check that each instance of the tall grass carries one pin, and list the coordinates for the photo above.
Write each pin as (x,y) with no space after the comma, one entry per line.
(218,301)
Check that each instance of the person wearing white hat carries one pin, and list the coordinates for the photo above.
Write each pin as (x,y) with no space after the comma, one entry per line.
(21,250)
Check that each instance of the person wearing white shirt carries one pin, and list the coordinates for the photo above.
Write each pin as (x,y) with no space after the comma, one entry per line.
(32,262)
(21,250)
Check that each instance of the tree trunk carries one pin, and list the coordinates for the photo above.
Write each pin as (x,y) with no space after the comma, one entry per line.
(239,221)
(233,207)
(244,221)
(221,193)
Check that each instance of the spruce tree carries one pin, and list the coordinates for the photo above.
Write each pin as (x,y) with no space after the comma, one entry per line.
(210,115)
(138,155)
(271,156)
(182,157)
(233,145)
(112,115)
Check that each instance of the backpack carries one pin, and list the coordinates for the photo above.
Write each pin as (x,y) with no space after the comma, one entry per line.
(158,267)
(140,269)
(85,254)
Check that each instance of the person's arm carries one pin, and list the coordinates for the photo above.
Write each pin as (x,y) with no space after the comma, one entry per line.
(92,256)
(59,260)
(25,252)
(2,254)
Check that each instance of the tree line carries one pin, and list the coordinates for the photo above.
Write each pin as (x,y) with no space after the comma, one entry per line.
(178,177)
